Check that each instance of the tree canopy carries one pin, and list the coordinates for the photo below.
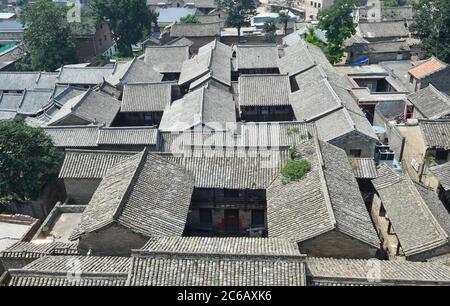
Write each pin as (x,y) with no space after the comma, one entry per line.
(129,20)
(337,21)
(28,161)
(432,25)
(239,12)
(48,36)
(269,31)
(284,19)
(189,19)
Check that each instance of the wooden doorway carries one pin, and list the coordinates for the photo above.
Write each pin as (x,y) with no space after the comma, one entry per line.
(232,221)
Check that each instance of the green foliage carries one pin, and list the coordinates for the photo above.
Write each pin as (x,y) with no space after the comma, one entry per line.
(189,19)
(239,12)
(28,161)
(337,21)
(430,160)
(48,36)
(312,39)
(432,25)
(21,2)
(284,19)
(296,169)
(128,19)
(269,31)
(390,3)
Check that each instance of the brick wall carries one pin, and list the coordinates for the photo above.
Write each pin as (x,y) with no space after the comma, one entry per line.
(337,245)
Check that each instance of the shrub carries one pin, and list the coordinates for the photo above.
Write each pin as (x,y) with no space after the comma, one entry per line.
(296,169)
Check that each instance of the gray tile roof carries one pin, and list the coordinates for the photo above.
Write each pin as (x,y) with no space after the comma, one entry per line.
(54,271)
(275,134)
(213,61)
(350,212)
(66,93)
(34,100)
(432,103)
(195,67)
(180,41)
(209,270)
(10,101)
(73,136)
(264,90)
(239,169)
(32,250)
(295,61)
(325,199)
(262,135)
(128,136)
(382,29)
(85,164)
(195,29)
(166,58)
(256,56)
(300,210)
(7,115)
(300,57)
(222,246)
(209,105)
(314,101)
(351,272)
(435,205)
(436,133)
(93,136)
(84,75)
(204,3)
(146,97)
(343,122)
(442,173)
(416,227)
(133,71)
(91,107)
(364,168)
(146,194)
(318,73)
(26,80)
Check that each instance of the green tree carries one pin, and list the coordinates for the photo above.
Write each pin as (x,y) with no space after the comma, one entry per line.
(128,19)
(48,36)
(295,169)
(337,21)
(28,161)
(189,19)
(391,3)
(239,13)
(284,19)
(312,38)
(269,31)
(432,25)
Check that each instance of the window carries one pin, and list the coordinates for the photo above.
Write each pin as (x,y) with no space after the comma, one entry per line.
(409,111)
(258,218)
(205,216)
(265,111)
(231,193)
(441,155)
(148,117)
(355,153)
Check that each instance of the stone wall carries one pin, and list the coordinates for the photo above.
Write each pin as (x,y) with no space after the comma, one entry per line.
(80,191)
(114,240)
(356,141)
(337,245)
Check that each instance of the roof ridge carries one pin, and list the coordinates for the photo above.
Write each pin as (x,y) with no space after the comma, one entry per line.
(135,174)
(425,207)
(324,184)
